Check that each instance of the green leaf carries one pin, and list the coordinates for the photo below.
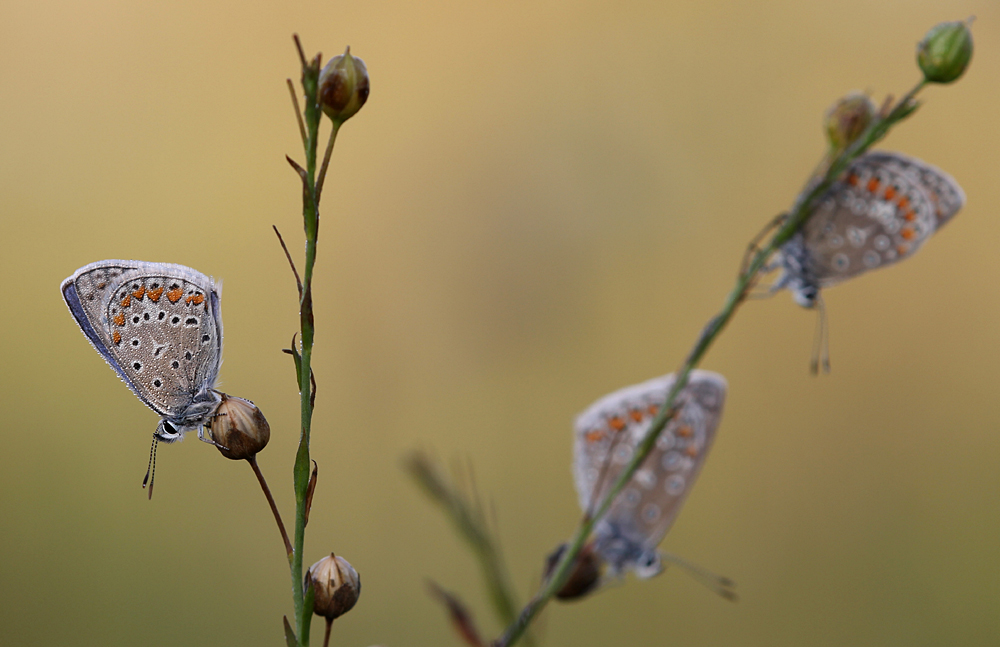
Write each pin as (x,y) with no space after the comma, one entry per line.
(290,639)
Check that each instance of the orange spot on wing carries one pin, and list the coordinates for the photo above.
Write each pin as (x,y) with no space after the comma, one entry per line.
(636,415)
(594,435)
(140,292)
(196,299)
(873,185)
(691,451)
(119,319)
(909,216)
(154,295)
(853,179)
(653,409)
(684,431)
(116,337)
(890,192)
(904,202)
(617,423)
(175,295)
(127,301)
(902,249)
(907,233)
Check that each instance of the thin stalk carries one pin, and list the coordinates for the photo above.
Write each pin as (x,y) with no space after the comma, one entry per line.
(326,637)
(274,508)
(326,159)
(310,216)
(298,112)
(802,209)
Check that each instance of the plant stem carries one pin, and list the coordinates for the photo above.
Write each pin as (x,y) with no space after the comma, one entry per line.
(326,159)
(800,212)
(310,217)
(274,508)
(326,637)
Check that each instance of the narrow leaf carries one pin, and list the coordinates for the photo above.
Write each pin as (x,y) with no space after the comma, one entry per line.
(307,605)
(290,639)
(298,361)
(309,493)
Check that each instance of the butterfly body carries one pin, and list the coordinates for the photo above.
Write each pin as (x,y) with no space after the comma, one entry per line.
(159,326)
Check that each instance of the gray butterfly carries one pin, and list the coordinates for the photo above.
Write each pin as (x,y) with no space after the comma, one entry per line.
(159,326)
(605,437)
(882,211)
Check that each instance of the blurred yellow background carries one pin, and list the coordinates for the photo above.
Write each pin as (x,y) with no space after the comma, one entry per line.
(541,203)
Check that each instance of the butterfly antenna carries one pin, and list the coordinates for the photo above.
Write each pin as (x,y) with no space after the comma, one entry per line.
(721,586)
(821,342)
(151,468)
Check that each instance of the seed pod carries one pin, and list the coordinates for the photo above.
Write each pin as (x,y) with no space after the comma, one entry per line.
(343,86)
(847,119)
(945,51)
(337,586)
(585,574)
(239,429)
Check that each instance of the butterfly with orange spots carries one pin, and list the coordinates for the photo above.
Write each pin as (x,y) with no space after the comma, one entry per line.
(881,211)
(606,436)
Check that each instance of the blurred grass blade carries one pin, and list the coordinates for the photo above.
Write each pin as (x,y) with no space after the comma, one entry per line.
(461,619)
(465,511)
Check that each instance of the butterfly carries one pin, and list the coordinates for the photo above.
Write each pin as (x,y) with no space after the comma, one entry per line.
(606,436)
(159,326)
(883,210)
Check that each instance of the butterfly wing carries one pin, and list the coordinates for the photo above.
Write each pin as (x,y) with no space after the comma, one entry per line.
(878,214)
(158,325)
(606,436)
(944,192)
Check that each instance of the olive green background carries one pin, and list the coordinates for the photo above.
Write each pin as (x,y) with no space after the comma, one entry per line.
(542,202)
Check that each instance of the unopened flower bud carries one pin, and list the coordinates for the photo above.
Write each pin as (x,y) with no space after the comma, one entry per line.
(239,429)
(336,584)
(945,51)
(847,119)
(343,86)
(585,573)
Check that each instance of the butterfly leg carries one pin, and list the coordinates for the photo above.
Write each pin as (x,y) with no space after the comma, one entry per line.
(753,247)
(205,439)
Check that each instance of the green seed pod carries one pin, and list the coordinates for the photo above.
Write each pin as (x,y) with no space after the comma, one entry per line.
(343,86)
(945,51)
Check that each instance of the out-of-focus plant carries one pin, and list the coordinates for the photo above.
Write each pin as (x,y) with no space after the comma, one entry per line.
(852,126)
(459,501)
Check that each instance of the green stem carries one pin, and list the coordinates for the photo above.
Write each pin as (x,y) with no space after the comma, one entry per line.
(802,209)
(310,216)
(326,159)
